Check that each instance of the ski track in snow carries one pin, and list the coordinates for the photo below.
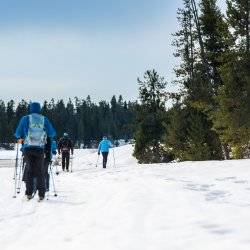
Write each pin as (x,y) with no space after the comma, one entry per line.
(189,205)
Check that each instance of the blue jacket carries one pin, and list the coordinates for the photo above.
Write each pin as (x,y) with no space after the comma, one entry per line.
(53,147)
(104,146)
(23,126)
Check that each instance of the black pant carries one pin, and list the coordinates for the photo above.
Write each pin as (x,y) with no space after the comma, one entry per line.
(46,173)
(35,169)
(105,158)
(65,159)
(24,170)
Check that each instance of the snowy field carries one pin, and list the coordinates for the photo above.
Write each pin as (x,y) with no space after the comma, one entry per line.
(180,206)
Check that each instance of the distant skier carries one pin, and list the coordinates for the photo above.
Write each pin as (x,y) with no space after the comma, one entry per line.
(103,148)
(65,145)
(50,150)
(33,130)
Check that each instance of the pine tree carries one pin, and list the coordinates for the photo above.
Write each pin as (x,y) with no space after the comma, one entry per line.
(70,118)
(176,125)
(3,123)
(200,83)
(217,39)
(239,19)
(185,42)
(21,110)
(232,117)
(150,129)
(11,121)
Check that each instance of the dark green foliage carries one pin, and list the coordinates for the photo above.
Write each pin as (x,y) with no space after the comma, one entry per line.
(3,123)
(11,121)
(232,115)
(202,142)
(189,135)
(199,44)
(214,105)
(217,39)
(238,13)
(176,131)
(232,119)
(150,117)
(85,121)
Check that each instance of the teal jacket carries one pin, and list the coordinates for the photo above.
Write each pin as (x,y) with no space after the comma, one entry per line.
(104,146)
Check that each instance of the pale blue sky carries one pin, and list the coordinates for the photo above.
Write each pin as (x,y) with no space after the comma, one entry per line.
(62,48)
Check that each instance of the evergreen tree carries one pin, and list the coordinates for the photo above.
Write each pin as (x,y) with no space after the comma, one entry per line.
(71,122)
(217,39)
(150,115)
(21,110)
(3,123)
(11,121)
(238,13)
(114,109)
(232,119)
(200,79)
(176,126)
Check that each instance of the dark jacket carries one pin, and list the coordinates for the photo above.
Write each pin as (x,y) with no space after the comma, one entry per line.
(50,149)
(65,145)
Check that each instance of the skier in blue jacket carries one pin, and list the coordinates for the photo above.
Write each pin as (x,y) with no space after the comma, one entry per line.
(103,148)
(33,130)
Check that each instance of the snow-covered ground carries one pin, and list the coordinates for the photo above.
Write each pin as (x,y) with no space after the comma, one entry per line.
(190,205)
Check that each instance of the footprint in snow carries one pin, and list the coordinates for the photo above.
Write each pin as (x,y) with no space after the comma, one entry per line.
(226,178)
(241,182)
(217,194)
(215,229)
(198,187)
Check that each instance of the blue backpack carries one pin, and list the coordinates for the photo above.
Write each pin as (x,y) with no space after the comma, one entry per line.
(37,136)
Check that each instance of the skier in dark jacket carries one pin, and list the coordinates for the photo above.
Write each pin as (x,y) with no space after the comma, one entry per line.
(65,145)
(33,130)
(103,148)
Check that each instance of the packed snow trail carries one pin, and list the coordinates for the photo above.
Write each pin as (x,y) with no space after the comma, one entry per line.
(190,205)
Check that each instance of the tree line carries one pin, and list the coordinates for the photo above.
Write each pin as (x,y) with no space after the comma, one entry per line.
(210,114)
(85,121)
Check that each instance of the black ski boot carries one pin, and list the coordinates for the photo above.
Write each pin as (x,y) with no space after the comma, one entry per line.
(41,198)
(29,197)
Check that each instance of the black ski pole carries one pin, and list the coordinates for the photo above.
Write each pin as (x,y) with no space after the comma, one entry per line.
(15,170)
(97,160)
(53,182)
(55,164)
(57,172)
(114,157)
(71,164)
(20,178)
(23,178)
